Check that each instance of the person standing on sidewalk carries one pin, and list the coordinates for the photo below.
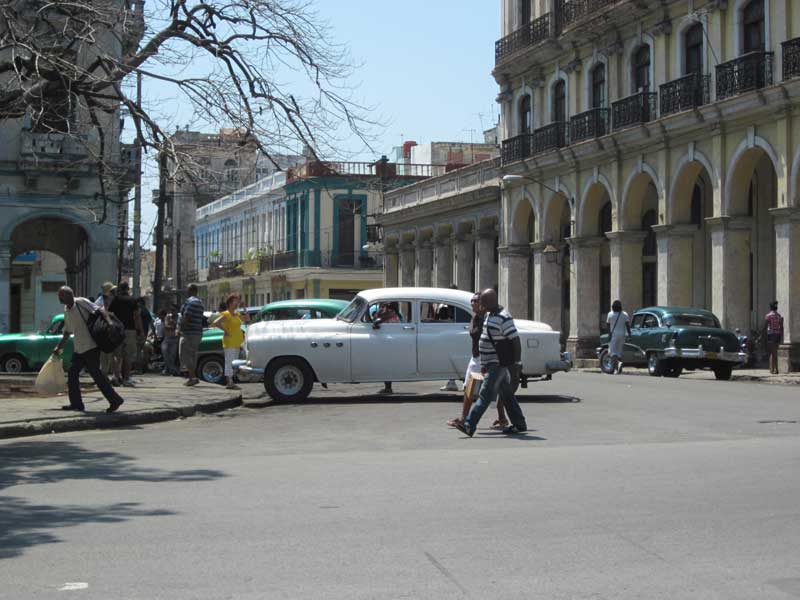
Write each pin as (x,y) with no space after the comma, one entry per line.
(104,300)
(773,328)
(86,354)
(500,352)
(126,309)
(169,344)
(619,328)
(190,329)
(230,321)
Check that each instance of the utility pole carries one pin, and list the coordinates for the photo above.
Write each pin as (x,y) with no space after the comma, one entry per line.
(162,200)
(137,199)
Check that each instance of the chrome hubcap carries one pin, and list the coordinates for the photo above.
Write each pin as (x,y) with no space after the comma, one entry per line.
(289,380)
(13,365)
(212,371)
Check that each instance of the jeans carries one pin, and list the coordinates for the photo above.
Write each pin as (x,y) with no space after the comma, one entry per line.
(169,350)
(496,382)
(90,361)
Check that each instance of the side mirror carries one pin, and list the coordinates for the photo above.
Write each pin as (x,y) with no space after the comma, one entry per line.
(376,324)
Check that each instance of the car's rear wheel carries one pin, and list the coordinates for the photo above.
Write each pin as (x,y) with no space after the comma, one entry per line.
(211,369)
(288,379)
(14,363)
(673,371)
(655,366)
(723,373)
(607,363)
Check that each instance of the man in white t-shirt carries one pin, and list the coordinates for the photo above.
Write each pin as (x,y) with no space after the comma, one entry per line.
(85,353)
(619,328)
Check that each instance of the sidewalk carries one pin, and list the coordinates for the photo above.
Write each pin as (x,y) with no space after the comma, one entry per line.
(155,398)
(754,375)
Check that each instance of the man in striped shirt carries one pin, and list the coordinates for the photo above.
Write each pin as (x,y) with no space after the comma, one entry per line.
(190,328)
(500,353)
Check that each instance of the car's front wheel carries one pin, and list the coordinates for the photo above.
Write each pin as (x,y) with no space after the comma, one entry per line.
(607,363)
(655,366)
(288,379)
(14,363)
(211,369)
(723,373)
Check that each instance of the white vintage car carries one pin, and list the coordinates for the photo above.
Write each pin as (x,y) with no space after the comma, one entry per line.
(428,341)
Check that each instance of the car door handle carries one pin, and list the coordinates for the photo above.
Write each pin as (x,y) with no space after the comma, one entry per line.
(408,327)
(466,327)
(339,344)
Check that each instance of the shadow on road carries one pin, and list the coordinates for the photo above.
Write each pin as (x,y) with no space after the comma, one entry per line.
(24,524)
(400,398)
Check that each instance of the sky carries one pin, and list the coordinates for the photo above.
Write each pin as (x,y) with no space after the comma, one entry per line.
(424,65)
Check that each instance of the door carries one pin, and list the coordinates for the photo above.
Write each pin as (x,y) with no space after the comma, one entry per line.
(388,353)
(348,209)
(649,332)
(444,344)
(633,349)
(16,308)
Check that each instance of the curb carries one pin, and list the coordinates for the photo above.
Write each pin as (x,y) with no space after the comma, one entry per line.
(120,419)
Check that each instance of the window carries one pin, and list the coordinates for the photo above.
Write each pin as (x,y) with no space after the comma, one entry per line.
(525,115)
(641,68)
(434,312)
(637,321)
(650,322)
(56,328)
(753,26)
(598,91)
(693,50)
(231,173)
(559,102)
(524,12)
(649,248)
(392,311)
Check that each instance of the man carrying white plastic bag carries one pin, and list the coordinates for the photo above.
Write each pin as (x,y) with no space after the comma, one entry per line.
(50,380)
(85,354)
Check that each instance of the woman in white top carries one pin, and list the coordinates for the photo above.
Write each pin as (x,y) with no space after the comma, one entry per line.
(619,327)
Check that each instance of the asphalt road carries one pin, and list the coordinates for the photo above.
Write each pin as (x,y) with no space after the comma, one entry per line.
(626,487)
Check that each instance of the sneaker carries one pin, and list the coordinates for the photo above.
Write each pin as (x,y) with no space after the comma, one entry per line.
(451,386)
(75,408)
(192,382)
(619,369)
(462,427)
(514,430)
(127,383)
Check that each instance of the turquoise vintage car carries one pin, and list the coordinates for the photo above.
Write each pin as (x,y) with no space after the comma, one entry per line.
(21,352)
(285,310)
(668,339)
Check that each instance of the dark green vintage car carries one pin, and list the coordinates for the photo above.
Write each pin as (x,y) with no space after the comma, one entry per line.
(285,310)
(668,340)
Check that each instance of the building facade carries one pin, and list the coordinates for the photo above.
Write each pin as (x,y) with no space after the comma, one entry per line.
(657,149)
(444,231)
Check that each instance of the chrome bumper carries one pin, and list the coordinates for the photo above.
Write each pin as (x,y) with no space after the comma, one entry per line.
(700,354)
(245,367)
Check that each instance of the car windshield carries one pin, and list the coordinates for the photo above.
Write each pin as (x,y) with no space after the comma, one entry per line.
(693,321)
(350,312)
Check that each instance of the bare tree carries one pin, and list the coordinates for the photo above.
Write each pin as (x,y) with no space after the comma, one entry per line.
(267,68)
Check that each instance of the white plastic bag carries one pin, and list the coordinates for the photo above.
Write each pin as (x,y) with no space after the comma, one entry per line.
(50,380)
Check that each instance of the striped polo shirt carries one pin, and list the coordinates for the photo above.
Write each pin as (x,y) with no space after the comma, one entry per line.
(501,324)
(193,308)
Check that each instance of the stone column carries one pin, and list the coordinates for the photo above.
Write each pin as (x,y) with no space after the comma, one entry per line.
(5,285)
(787,284)
(625,248)
(547,283)
(424,276)
(390,269)
(584,330)
(730,260)
(513,284)
(675,264)
(465,262)
(443,263)
(486,268)
(407,265)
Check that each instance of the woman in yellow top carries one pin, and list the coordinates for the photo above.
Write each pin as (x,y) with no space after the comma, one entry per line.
(230,321)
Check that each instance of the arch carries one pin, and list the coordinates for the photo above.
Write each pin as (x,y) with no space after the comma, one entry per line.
(738,28)
(688,168)
(635,186)
(523,209)
(793,179)
(742,162)
(680,48)
(598,178)
(556,216)
(594,198)
(63,215)
(597,60)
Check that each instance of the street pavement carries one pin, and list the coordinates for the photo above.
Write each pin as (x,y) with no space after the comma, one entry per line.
(625,487)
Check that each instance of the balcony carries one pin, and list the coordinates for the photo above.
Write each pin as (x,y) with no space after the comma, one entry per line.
(285,260)
(572,11)
(223,270)
(791,58)
(516,148)
(590,124)
(526,36)
(685,93)
(46,150)
(634,110)
(750,72)
(550,137)
(354,259)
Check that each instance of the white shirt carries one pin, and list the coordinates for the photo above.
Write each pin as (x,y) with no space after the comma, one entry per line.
(618,326)
(75,322)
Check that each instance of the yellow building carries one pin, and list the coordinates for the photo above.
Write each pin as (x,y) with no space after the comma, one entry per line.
(656,149)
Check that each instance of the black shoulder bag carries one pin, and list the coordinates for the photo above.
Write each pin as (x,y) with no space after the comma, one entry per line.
(107,336)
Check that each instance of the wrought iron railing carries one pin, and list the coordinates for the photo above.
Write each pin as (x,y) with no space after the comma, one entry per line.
(353,259)
(550,137)
(516,148)
(635,109)
(571,11)
(528,35)
(285,260)
(752,71)
(685,93)
(791,58)
(590,124)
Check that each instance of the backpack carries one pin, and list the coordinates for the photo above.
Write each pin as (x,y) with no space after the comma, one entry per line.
(108,337)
